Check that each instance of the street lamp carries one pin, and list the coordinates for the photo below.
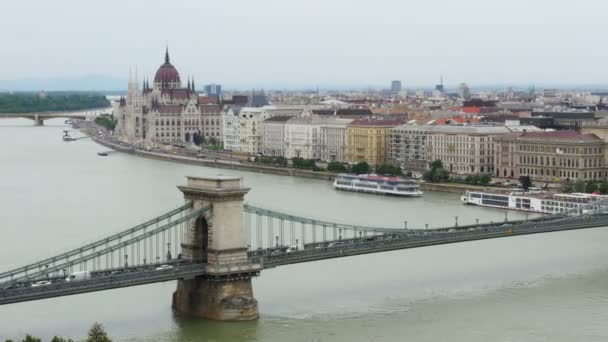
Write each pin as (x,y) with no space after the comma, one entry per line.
(169,251)
(405,225)
(456,221)
(126,260)
(340,236)
(276,238)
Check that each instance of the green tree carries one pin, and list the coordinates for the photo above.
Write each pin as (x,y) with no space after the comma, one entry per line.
(437,173)
(61,339)
(361,168)
(590,187)
(106,122)
(336,166)
(29,338)
(604,188)
(525,182)
(97,334)
(389,170)
(280,161)
(579,185)
(485,179)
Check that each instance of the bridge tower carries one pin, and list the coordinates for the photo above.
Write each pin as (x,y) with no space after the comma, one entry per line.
(217,240)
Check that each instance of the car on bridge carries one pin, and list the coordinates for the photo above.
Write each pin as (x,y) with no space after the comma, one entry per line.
(164,267)
(41,283)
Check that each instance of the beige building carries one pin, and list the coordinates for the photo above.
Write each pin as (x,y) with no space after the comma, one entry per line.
(550,156)
(463,149)
(367,140)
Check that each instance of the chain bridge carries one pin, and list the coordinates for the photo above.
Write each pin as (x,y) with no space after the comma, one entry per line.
(214,244)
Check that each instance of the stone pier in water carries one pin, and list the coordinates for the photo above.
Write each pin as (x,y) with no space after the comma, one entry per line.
(217,240)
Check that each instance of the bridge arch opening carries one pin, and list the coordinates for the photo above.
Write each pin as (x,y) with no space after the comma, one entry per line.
(202,236)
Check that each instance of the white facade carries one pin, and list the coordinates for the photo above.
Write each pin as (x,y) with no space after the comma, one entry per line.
(231,128)
(303,138)
(333,139)
(273,140)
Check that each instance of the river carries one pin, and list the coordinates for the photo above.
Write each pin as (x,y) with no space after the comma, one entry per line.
(56,195)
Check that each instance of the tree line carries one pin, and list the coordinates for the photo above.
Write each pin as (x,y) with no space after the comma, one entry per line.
(60,101)
(96,334)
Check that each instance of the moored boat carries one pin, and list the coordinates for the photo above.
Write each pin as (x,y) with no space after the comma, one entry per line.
(536,201)
(377,185)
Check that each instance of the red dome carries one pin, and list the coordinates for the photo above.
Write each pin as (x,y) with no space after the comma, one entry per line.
(167,72)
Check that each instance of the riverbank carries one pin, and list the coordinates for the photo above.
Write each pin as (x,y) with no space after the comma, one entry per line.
(235,165)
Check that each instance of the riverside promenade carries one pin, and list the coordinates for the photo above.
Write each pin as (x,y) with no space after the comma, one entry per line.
(244,166)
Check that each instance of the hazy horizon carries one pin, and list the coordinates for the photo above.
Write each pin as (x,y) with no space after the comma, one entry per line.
(296,44)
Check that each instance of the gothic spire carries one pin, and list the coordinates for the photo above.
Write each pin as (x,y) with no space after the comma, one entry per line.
(189,84)
(167,54)
(193,89)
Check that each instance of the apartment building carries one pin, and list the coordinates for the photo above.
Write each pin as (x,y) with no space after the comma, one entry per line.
(367,140)
(550,156)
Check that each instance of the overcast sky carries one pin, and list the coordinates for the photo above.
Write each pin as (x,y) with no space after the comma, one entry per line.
(285,43)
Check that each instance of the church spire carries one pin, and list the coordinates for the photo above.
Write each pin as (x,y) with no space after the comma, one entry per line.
(193,89)
(167,54)
(189,84)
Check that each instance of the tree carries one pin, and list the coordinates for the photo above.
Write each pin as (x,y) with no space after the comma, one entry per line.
(590,187)
(389,170)
(437,173)
(29,338)
(604,188)
(485,179)
(525,182)
(579,185)
(336,166)
(61,339)
(361,168)
(97,334)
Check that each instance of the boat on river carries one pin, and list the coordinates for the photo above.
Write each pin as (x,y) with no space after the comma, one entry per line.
(67,137)
(375,184)
(536,201)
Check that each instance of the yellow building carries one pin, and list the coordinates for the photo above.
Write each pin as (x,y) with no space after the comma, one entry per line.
(367,140)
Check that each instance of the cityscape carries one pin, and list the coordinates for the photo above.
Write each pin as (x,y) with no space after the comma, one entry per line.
(303,171)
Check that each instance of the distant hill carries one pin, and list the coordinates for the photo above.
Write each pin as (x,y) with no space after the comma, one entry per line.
(81,83)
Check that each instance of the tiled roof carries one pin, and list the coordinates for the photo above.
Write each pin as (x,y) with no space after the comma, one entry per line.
(371,122)
(170,109)
(554,135)
(207,100)
(209,108)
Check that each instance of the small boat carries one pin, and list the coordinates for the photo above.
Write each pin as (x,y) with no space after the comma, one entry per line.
(102,154)
(377,184)
(67,137)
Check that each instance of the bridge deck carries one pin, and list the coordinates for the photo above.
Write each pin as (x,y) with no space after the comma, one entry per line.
(384,243)
(144,276)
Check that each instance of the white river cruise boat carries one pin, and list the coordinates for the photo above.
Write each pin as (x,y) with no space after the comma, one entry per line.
(537,202)
(377,185)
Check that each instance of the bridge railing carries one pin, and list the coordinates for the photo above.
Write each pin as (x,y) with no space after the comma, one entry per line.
(142,244)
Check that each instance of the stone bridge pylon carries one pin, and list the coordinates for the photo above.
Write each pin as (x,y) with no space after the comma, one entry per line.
(217,240)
